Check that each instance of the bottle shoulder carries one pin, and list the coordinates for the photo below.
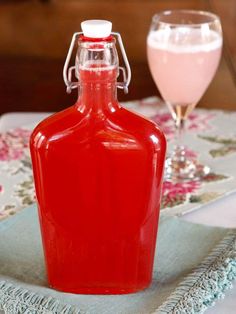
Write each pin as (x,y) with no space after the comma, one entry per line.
(126,129)
(122,126)
(140,125)
(55,126)
(55,121)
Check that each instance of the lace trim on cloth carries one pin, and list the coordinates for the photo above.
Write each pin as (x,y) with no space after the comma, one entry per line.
(17,300)
(194,295)
(207,283)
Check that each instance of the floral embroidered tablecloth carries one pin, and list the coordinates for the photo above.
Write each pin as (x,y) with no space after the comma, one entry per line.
(210,136)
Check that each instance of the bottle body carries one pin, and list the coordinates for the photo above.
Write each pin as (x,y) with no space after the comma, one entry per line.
(98,191)
(98,174)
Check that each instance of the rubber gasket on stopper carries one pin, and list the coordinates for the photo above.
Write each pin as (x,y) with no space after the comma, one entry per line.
(96,28)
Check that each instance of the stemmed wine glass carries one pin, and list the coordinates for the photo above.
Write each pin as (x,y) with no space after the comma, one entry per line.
(184,50)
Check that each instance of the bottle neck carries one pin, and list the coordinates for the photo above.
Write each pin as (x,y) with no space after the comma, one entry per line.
(97,71)
(97,98)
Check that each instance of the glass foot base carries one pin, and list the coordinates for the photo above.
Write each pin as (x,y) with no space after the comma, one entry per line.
(179,169)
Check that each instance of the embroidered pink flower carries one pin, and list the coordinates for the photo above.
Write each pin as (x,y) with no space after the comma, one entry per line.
(175,193)
(183,188)
(13,144)
(190,153)
(165,121)
(163,117)
(195,122)
(1,188)
(199,121)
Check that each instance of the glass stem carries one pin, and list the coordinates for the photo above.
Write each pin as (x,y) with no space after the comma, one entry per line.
(179,134)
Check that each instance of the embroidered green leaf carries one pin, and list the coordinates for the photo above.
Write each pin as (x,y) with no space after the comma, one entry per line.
(211,177)
(25,191)
(195,199)
(27,200)
(8,207)
(26,163)
(219,140)
(223,151)
(228,147)
(204,197)
(26,184)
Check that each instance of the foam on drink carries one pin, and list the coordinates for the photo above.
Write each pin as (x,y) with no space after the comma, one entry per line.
(180,40)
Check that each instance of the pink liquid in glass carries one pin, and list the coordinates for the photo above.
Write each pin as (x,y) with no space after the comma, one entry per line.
(183,62)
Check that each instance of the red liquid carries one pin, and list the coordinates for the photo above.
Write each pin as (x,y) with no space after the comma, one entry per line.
(98,173)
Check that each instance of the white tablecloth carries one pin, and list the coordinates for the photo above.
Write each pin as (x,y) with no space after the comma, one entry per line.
(219,213)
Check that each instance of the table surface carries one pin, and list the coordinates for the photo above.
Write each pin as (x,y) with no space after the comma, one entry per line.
(219,213)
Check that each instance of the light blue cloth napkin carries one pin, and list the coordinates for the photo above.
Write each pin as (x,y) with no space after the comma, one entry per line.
(183,249)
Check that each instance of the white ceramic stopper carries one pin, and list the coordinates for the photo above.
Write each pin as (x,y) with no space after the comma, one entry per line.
(96,28)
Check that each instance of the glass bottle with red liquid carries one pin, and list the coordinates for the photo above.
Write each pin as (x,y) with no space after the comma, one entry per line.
(98,174)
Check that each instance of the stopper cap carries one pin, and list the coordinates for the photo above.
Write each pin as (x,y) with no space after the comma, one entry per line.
(96,28)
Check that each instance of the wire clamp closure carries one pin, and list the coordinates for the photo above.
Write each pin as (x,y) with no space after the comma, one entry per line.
(68,71)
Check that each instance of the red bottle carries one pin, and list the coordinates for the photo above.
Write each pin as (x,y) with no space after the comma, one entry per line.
(98,175)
